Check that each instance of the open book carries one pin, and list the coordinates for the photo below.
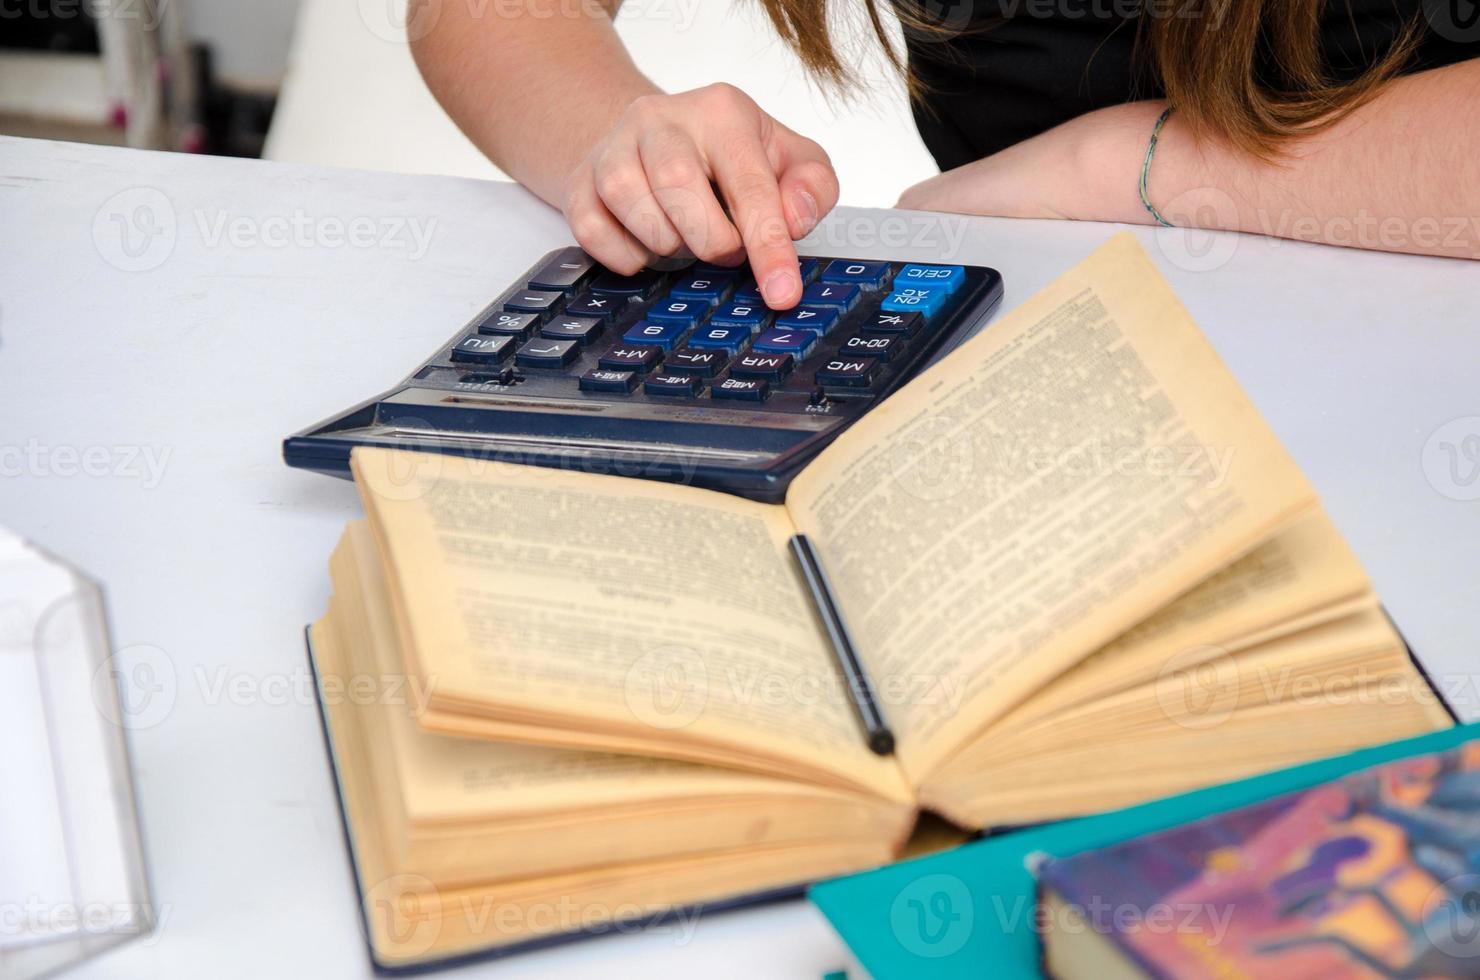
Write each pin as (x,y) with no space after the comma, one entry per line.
(1078,568)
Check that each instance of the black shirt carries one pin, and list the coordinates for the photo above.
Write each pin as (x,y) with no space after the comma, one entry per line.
(1015,68)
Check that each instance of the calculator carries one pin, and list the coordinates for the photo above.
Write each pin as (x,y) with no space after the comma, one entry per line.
(681,375)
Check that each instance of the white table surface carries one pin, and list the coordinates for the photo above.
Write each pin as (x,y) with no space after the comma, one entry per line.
(201,351)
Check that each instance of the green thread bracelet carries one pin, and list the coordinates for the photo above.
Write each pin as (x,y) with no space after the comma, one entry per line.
(1146,168)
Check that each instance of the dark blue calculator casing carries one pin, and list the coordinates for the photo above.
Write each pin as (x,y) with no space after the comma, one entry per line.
(539,416)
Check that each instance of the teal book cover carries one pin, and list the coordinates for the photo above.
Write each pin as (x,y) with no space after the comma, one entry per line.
(973,911)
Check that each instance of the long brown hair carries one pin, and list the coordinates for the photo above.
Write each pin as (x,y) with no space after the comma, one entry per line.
(1205,54)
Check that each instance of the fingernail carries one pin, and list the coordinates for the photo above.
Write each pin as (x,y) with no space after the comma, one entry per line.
(779,287)
(806,208)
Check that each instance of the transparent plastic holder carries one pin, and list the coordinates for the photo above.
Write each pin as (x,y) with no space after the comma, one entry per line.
(72,873)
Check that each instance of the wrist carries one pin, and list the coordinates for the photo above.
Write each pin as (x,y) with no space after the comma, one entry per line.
(1113,151)
(550,174)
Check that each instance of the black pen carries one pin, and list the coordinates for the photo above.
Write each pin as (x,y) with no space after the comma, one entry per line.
(880,738)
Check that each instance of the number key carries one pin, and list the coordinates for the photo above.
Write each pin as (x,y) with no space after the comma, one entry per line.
(705,287)
(840,296)
(664,335)
(753,316)
(720,338)
(855,271)
(686,312)
(798,343)
(818,319)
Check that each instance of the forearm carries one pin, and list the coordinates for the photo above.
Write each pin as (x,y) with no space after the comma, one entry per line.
(533,83)
(1400,174)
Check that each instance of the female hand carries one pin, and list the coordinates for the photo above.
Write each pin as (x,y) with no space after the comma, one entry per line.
(705,173)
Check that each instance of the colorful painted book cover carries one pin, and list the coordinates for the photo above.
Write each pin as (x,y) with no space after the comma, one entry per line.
(1371,876)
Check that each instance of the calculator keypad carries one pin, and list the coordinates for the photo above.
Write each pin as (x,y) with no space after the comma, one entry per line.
(704,333)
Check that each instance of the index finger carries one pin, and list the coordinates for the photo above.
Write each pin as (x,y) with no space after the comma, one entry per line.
(749,186)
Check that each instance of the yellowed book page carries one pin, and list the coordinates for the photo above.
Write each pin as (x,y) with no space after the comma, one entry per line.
(1333,688)
(413,917)
(1302,577)
(448,780)
(1062,476)
(587,603)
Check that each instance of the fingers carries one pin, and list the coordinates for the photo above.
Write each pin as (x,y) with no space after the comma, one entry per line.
(749,184)
(680,181)
(623,187)
(602,236)
(809,185)
(704,173)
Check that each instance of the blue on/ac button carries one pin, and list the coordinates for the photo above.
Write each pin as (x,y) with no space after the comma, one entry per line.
(924,300)
(923,289)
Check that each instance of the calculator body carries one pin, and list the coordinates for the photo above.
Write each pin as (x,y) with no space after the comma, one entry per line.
(506,388)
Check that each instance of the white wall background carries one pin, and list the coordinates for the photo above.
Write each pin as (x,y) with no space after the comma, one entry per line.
(250,38)
(352,96)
